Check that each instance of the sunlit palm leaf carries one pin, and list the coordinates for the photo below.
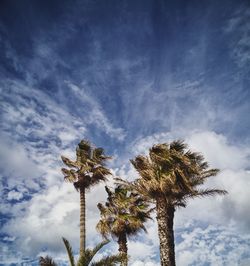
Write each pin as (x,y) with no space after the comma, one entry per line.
(69,251)
(88,255)
(109,260)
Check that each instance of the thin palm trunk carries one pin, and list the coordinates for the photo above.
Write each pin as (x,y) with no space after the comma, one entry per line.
(165,219)
(123,249)
(82,221)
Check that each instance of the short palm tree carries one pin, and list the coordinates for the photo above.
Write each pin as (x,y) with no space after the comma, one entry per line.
(88,170)
(124,214)
(170,175)
(86,258)
(88,255)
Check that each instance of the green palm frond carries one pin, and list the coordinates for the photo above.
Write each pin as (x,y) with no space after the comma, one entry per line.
(88,255)
(110,260)
(69,251)
(98,247)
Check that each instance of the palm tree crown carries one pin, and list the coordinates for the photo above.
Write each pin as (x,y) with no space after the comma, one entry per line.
(173,172)
(124,214)
(124,211)
(88,169)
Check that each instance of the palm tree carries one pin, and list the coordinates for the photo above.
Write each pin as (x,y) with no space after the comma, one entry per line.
(170,175)
(88,170)
(88,255)
(124,214)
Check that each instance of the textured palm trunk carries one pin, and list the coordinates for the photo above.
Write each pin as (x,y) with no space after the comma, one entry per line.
(82,221)
(165,220)
(123,249)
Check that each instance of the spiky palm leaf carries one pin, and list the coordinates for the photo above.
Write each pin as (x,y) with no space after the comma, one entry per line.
(86,258)
(47,261)
(88,255)
(69,251)
(109,260)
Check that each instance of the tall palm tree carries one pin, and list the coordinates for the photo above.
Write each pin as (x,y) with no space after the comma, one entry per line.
(88,170)
(170,175)
(124,214)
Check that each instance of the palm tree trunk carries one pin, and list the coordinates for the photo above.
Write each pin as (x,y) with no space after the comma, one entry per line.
(82,221)
(165,220)
(123,249)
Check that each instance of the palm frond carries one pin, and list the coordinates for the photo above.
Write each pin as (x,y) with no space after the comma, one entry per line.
(200,179)
(210,192)
(110,260)
(140,163)
(87,256)
(99,246)
(178,145)
(69,175)
(69,251)
(85,145)
(47,261)
(69,162)
(99,155)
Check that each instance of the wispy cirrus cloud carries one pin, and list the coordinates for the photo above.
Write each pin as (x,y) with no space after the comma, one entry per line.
(94,114)
(238,28)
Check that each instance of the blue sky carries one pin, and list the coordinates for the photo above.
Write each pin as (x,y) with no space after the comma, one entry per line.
(125,75)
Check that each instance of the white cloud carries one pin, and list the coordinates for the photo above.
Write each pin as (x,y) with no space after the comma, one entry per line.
(7,238)
(140,251)
(215,245)
(14,195)
(218,151)
(53,213)
(144,263)
(142,145)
